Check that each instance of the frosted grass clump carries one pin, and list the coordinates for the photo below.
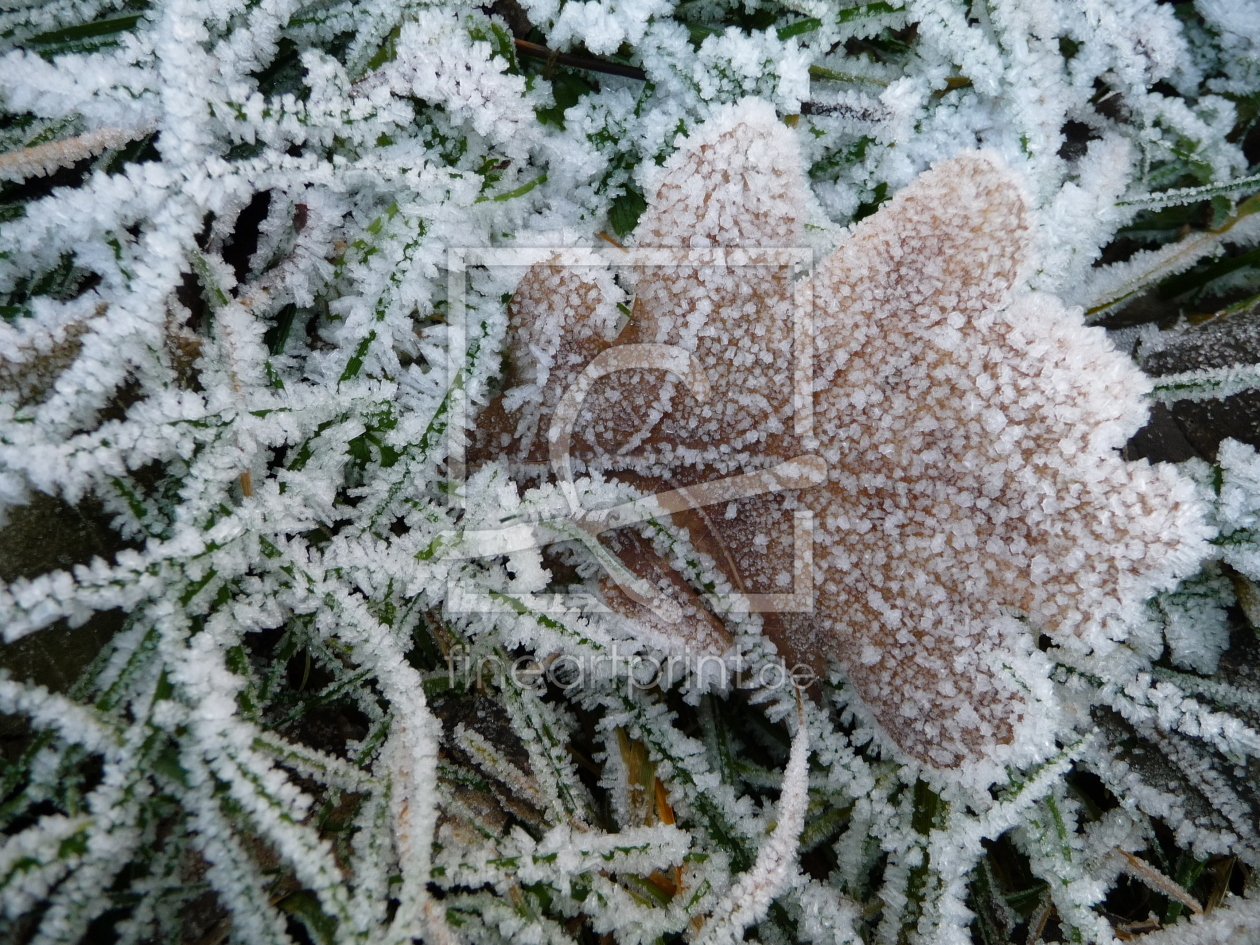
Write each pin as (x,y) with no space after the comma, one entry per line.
(224,236)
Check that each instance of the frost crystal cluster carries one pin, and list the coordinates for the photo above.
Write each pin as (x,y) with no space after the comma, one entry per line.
(430,435)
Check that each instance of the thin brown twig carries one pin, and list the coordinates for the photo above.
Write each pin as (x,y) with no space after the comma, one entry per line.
(554,57)
(604,236)
(1037,921)
(1140,870)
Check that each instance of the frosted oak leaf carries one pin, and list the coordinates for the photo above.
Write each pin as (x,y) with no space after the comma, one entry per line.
(969,429)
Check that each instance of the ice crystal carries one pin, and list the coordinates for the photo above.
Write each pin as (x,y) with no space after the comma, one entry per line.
(968,426)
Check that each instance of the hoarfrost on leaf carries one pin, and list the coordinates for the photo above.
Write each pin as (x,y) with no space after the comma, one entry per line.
(967,425)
